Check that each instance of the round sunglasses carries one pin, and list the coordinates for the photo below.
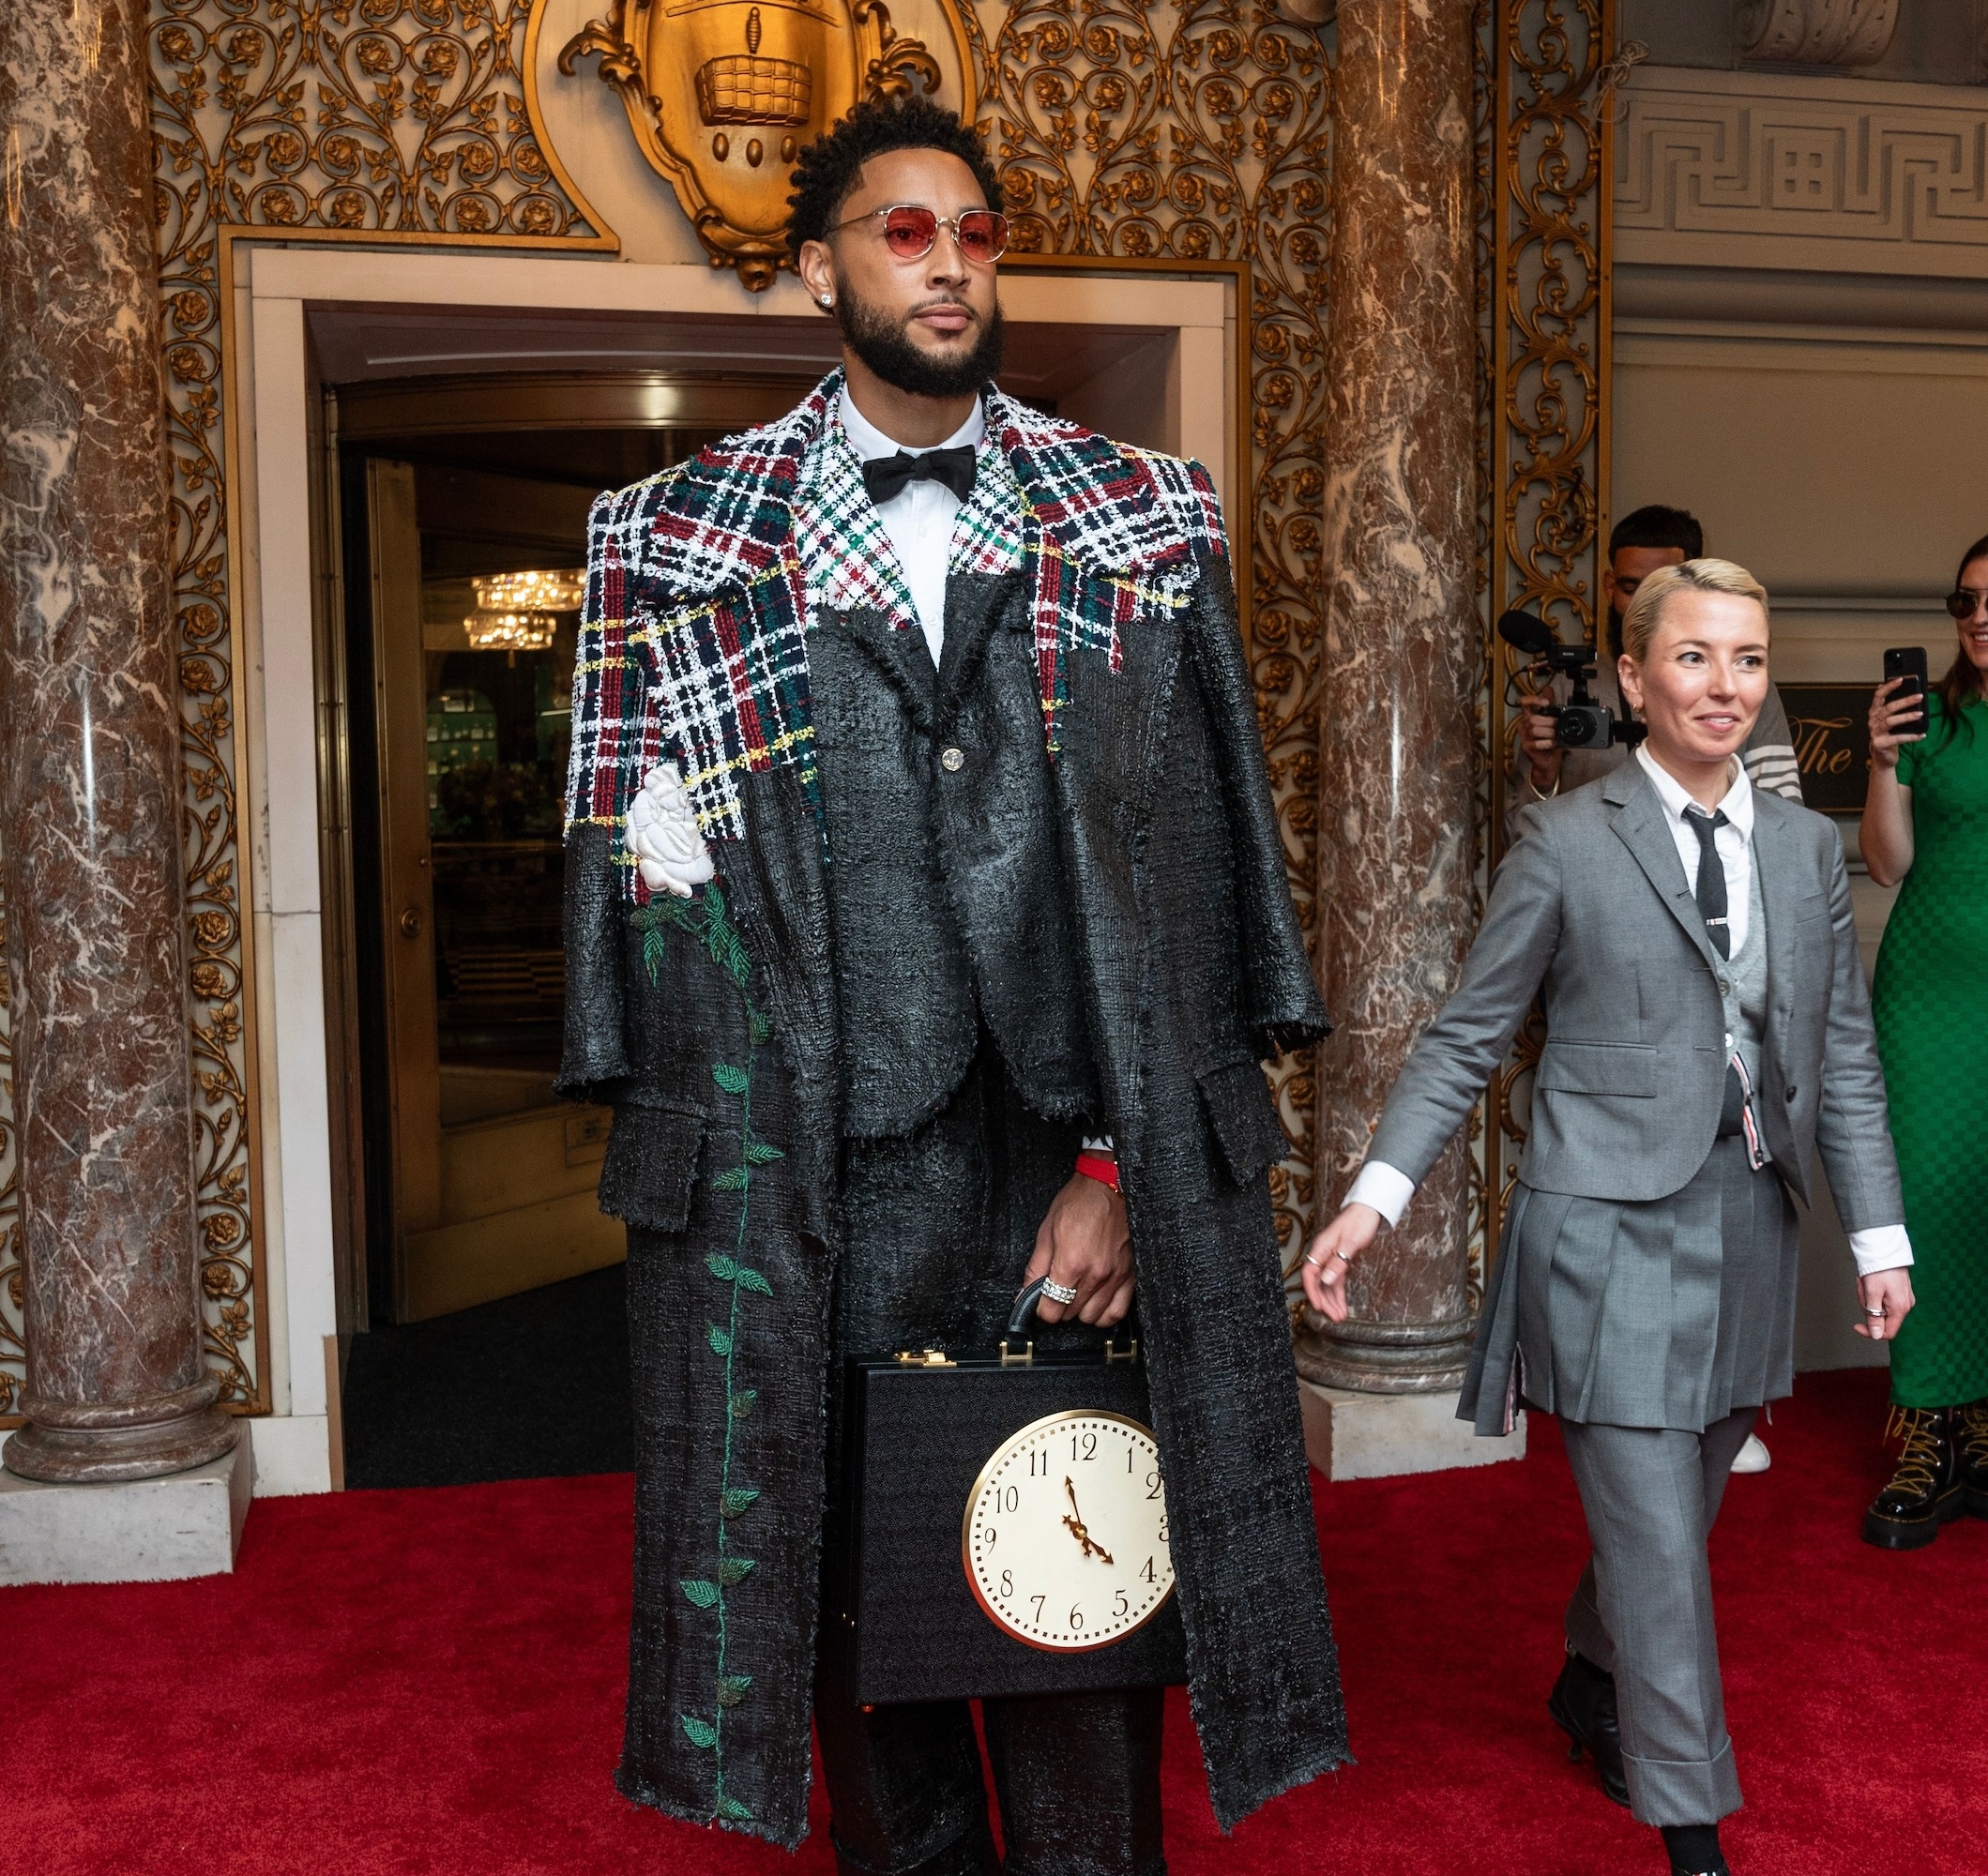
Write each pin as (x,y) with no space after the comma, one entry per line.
(1965,602)
(910,231)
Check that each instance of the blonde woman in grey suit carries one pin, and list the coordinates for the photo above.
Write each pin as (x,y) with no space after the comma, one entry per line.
(1708,1032)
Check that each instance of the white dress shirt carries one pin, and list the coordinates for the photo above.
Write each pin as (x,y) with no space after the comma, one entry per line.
(918,519)
(1388,1189)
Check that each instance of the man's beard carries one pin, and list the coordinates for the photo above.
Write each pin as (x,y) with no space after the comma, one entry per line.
(888,349)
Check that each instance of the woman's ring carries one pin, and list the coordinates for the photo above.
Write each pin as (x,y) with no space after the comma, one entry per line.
(1312,1260)
(1342,1257)
(1059,1292)
(1877,1314)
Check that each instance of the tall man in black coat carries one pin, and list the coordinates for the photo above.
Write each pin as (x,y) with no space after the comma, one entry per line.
(919,839)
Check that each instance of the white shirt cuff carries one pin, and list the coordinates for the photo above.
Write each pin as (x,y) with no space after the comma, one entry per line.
(1382,1186)
(1101,1144)
(1881,1247)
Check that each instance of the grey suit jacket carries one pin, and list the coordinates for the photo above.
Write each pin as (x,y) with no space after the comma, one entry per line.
(1592,912)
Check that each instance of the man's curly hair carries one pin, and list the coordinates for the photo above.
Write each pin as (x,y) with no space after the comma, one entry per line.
(829,168)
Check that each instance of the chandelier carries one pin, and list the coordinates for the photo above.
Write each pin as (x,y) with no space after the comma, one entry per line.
(515,612)
(510,631)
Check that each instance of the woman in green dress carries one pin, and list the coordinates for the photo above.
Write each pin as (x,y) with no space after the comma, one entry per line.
(1926,823)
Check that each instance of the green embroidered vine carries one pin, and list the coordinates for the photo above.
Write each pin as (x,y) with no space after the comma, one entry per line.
(706,919)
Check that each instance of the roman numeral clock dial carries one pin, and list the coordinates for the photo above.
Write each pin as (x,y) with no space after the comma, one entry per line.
(1064,1540)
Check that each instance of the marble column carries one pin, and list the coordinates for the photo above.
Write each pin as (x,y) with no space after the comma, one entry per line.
(1397,738)
(90,768)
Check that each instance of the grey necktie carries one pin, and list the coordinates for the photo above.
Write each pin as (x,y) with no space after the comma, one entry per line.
(1711,877)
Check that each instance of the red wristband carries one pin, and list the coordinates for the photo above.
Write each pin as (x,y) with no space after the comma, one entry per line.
(1094,1166)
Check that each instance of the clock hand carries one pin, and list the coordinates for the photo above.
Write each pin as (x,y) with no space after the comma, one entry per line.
(1077,1530)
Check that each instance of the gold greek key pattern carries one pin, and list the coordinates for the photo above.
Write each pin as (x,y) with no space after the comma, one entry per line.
(1201,129)
(1550,366)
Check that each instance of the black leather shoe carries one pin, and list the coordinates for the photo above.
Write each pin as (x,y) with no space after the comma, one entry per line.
(1927,1490)
(1583,1705)
(1970,1439)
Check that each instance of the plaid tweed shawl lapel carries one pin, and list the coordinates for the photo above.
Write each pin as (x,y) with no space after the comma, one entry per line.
(704,581)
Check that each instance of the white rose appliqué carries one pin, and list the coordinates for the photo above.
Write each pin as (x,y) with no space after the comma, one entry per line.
(663,835)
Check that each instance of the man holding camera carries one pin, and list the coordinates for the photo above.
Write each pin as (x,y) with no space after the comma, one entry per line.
(1639,544)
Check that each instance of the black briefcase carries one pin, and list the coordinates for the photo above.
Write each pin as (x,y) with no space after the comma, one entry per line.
(1006,1526)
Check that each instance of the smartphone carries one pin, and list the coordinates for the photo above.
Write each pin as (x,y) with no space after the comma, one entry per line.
(1909,663)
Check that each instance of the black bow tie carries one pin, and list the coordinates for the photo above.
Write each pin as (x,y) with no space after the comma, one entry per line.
(888,476)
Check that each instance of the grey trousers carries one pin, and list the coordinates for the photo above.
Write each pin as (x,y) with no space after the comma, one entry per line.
(1643,1609)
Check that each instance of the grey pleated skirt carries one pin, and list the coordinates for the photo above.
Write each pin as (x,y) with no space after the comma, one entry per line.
(1672,1312)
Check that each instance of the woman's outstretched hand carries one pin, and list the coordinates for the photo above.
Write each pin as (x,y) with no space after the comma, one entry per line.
(1331,1255)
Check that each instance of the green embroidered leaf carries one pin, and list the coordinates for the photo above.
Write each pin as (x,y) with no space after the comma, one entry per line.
(736,1499)
(700,1733)
(721,1266)
(732,1811)
(744,1402)
(757,1027)
(721,1342)
(731,1688)
(759,1154)
(700,1594)
(734,1570)
(653,947)
(733,1081)
(753,1280)
(733,1179)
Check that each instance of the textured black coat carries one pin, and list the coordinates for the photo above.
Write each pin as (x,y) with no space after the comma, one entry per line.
(715,1033)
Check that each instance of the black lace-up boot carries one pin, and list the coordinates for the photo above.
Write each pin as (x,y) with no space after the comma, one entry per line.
(1970,1441)
(1927,1488)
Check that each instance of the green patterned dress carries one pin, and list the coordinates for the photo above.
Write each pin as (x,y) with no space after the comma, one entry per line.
(1931,1002)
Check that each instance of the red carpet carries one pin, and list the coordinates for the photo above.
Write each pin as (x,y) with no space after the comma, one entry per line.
(431,1680)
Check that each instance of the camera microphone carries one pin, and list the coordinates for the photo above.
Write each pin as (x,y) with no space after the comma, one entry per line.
(1527,632)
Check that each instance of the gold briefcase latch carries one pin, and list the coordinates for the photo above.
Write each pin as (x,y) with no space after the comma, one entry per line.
(1113,1352)
(925,1358)
(1025,1359)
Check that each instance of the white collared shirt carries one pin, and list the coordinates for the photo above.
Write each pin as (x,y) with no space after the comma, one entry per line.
(1734,842)
(919,519)
(1387,1188)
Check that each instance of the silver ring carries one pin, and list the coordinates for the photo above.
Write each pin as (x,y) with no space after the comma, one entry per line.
(1342,1257)
(1314,1262)
(1057,1292)
(1877,1314)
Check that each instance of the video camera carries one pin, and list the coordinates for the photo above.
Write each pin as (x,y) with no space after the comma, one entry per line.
(1579,723)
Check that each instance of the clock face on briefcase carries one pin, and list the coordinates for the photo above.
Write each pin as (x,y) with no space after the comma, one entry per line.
(1064,1540)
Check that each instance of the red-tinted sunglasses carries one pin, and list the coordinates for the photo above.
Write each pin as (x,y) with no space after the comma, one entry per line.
(910,231)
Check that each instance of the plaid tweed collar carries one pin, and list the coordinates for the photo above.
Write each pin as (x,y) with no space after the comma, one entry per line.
(1101,508)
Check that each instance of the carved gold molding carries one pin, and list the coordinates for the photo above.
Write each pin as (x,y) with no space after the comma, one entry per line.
(1550,376)
(722,93)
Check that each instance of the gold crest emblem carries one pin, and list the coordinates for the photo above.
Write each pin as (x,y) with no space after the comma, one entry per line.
(722,95)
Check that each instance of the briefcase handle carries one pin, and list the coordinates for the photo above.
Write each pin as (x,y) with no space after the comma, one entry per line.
(1022,1319)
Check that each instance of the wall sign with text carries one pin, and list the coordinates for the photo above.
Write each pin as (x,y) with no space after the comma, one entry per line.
(1830,724)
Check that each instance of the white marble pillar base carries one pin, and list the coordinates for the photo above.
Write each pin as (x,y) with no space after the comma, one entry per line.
(1350,1435)
(153,1530)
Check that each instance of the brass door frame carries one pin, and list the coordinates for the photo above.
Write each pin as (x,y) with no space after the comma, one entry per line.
(408,904)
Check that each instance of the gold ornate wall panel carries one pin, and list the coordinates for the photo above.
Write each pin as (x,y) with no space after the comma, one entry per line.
(1550,334)
(1192,130)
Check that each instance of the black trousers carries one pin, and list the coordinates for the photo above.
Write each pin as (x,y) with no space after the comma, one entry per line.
(938,1230)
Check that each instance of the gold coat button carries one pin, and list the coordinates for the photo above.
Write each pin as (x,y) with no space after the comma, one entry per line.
(952,761)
